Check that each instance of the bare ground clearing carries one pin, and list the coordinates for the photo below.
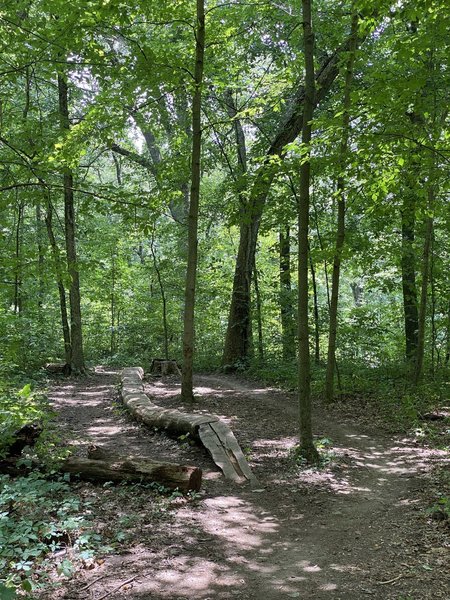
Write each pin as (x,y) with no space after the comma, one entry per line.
(355,529)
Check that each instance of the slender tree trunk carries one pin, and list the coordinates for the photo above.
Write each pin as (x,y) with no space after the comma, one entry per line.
(286,308)
(113,305)
(447,349)
(307,448)
(316,311)
(40,251)
(424,289)
(163,298)
(191,272)
(408,269)
(76,336)
(258,314)
(340,233)
(60,284)
(18,260)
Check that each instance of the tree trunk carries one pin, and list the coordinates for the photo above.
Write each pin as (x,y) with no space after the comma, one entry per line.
(286,308)
(316,311)
(18,260)
(76,336)
(238,336)
(40,251)
(307,448)
(258,314)
(340,233)
(60,284)
(411,317)
(424,289)
(191,271)
(163,298)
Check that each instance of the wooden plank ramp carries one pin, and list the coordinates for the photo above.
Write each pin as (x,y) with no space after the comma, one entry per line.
(215,435)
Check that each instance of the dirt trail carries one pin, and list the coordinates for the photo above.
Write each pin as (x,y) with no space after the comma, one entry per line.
(348,531)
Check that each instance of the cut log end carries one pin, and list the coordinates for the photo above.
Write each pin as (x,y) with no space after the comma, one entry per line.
(161,366)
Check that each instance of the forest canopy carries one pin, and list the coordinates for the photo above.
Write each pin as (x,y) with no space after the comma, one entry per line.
(133,134)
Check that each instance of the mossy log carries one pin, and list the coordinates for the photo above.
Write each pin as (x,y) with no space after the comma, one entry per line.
(213,434)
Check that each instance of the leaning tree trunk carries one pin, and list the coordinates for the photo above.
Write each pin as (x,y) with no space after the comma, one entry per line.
(307,448)
(191,272)
(76,336)
(408,271)
(340,233)
(238,336)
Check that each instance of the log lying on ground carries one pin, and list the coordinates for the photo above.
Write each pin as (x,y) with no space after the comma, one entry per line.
(104,466)
(216,436)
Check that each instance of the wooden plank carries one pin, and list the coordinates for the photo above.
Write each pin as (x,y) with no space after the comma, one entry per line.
(229,441)
(219,454)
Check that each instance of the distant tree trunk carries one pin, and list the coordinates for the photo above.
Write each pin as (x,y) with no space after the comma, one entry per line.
(113,342)
(286,308)
(316,311)
(258,314)
(424,289)
(408,269)
(163,298)
(447,349)
(76,336)
(191,271)
(307,448)
(40,251)
(434,348)
(60,283)
(340,233)
(18,260)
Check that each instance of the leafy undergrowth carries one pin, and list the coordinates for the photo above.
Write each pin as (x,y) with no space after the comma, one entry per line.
(51,529)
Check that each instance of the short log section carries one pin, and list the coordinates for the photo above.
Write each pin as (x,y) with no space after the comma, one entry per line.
(163,367)
(104,466)
(215,435)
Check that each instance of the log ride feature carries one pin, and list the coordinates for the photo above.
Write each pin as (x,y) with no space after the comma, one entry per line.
(163,367)
(102,465)
(212,433)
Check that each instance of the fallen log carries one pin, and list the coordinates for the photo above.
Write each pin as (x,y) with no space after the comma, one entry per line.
(215,435)
(112,467)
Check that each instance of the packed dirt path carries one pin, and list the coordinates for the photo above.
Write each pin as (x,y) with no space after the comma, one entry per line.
(356,528)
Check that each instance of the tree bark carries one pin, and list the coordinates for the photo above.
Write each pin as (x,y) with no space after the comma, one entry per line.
(191,271)
(60,284)
(286,307)
(104,466)
(307,448)
(340,233)
(238,336)
(424,289)
(76,335)
(258,314)
(408,271)
(316,311)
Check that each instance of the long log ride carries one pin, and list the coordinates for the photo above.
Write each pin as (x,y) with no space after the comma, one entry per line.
(212,433)
(100,465)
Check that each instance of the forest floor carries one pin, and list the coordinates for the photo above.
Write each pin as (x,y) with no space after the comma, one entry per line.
(358,527)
